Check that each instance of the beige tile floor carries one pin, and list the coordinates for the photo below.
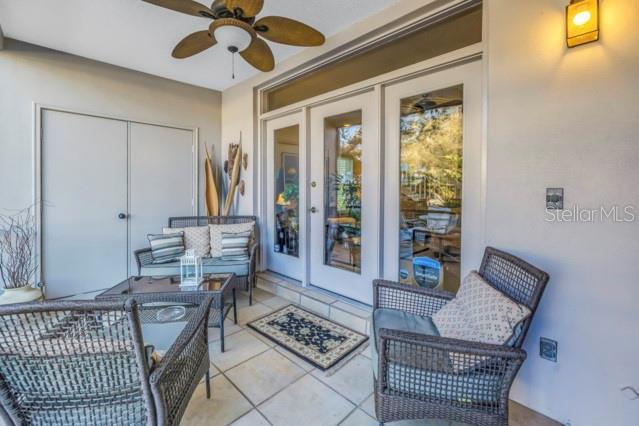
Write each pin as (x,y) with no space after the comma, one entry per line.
(256,382)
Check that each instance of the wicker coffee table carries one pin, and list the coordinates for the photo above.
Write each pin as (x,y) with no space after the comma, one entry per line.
(155,294)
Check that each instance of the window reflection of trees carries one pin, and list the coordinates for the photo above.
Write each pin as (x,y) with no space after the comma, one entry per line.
(431,148)
(431,157)
(343,233)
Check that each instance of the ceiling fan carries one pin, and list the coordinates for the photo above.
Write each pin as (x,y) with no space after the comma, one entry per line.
(235,27)
(428,102)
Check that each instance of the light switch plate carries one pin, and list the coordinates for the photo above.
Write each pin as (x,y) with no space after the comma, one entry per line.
(554,198)
(548,349)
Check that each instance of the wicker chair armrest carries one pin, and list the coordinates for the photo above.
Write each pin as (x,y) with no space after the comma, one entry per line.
(143,257)
(408,298)
(175,377)
(459,370)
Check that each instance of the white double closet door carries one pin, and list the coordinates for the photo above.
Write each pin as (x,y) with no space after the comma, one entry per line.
(104,185)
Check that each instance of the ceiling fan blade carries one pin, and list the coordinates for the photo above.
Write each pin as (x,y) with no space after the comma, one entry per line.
(259,55)
(249,8)
(288,31)
(189,7)
(192,44)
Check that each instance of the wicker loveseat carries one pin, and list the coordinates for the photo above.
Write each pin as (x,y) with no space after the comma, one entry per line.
(420,375)
(86,363)
(244,269)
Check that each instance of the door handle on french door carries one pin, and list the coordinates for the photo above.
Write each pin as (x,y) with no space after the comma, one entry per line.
(313,210)
(122,216)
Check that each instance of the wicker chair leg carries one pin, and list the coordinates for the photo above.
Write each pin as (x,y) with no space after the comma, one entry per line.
(250,290)
(208,384)
(234,307)
(222,331)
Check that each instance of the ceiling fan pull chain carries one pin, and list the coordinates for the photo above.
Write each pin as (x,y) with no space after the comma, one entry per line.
(233,65)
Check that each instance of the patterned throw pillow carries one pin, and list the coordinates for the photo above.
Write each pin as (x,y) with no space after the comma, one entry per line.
(166,248)
(479,313)
(235,245)
(216,234)
(196,238)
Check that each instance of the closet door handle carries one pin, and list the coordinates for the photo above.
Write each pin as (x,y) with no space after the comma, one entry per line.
(122,216)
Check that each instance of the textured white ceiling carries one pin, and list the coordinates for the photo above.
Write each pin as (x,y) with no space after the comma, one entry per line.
(140,36)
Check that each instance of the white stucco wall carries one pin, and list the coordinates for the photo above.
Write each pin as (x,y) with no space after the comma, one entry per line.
(33,74)
(569,118)
(556,118)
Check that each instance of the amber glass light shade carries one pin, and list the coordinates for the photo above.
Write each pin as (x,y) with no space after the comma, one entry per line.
(582,22)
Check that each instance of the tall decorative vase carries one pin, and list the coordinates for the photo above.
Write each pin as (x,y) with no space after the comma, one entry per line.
(20,295)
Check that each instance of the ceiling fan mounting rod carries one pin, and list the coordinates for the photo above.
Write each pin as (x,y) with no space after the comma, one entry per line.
(238,12)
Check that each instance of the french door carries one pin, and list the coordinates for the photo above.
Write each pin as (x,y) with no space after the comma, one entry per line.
(433,157)
(344,196)
(326,180)
(285,196)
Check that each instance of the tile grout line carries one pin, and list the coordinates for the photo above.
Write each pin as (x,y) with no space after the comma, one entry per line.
(348,415)
(337,392)
(278,392)
(311,371)
(245,327)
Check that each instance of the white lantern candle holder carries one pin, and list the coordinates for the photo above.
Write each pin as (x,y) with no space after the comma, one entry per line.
(190,269)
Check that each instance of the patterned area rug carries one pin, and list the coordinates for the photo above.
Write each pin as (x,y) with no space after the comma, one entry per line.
(318,340)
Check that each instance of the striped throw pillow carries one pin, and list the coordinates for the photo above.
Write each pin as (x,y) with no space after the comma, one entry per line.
(166,247)
(235,245)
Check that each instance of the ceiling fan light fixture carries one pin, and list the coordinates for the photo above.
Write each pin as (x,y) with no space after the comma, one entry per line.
(234,38)
(237,29)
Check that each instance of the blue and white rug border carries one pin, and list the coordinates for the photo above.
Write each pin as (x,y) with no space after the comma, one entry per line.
(336,362)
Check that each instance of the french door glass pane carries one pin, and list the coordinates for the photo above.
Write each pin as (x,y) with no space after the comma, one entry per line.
(287,145)
(431,130)
(343,190)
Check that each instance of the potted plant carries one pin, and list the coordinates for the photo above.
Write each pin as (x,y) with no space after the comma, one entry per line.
(18,263)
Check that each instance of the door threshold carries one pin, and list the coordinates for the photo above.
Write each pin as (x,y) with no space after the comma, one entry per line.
(340,309)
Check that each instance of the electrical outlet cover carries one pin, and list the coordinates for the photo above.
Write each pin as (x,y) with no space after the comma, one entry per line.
(548,349)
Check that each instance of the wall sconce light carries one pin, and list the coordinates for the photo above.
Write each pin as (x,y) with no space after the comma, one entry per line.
(582,22)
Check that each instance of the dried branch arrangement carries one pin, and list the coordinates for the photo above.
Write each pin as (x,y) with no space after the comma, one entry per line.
(18,264)
(234,168)
(211,193)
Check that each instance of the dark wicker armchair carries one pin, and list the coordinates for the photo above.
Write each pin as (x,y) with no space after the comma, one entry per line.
(415,379)
(85,363)
(244,280)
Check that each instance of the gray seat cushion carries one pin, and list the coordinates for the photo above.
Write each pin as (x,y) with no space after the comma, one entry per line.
(444,383)
(210,265)
(399,320)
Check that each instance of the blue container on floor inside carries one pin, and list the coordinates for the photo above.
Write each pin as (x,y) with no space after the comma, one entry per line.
(427,272)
